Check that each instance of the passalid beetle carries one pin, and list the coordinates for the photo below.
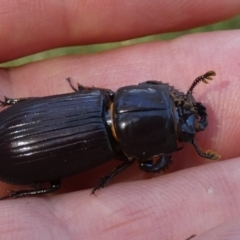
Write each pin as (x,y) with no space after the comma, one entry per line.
(48,138)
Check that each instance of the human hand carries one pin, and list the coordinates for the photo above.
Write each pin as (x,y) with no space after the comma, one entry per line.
(173,206)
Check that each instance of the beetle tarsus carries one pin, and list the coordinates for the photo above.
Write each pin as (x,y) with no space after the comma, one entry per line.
(161,165)
(207,154)
(55,185)
(105,180)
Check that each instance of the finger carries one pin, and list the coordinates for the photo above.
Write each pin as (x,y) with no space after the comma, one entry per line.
(228,230)
(62,23)
(174,206)
(177,62)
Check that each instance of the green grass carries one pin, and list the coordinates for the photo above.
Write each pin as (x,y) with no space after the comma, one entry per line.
(233,23)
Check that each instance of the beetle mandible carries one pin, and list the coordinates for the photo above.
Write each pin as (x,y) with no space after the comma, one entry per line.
(48,138)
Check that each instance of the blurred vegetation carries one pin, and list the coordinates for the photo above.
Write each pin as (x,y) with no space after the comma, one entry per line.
(233,23)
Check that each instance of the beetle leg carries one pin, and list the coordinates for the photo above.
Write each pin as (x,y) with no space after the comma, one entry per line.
(80,87)
(55,185)
(11,101)
(162,164)
(191,237)
(105,180)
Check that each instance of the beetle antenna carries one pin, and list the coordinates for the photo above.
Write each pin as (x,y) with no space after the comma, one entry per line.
(207,154)
(203,78)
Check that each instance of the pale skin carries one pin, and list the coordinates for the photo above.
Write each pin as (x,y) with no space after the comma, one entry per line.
(204,198)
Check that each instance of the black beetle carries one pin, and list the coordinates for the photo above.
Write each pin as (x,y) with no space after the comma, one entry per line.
(48,138)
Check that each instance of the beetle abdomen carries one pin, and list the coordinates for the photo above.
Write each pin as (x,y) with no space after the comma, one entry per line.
(44,139)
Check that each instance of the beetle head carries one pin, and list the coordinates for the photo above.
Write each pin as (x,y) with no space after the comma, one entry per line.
(191,115)
(188,120)
(191,118)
